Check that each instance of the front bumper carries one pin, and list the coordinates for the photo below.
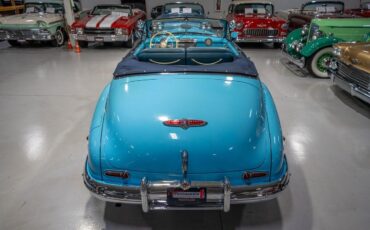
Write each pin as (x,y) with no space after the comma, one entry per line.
(101,37)
(260,39)
(26,35)
(152,195)
(300,62)
(351,88)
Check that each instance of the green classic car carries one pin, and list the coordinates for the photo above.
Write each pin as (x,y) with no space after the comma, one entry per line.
(43,20)
(311,46)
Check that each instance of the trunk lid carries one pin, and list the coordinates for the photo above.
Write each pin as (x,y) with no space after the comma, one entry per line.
(135,138)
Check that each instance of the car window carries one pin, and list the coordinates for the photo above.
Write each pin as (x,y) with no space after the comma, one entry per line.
(34,8)
(323,7)
(103,10)
(178,9)
(254,9)
(54,8)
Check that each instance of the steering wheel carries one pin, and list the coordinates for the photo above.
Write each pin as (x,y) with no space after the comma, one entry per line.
(164,42)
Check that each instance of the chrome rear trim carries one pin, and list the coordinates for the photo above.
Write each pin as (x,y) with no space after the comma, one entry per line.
(152,195)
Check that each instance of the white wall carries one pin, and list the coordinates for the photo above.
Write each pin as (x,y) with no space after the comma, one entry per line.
(210,5)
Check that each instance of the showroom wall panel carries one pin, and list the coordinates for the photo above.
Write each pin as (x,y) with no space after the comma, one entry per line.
(211,5)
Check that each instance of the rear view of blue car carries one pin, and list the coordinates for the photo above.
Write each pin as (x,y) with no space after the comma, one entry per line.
(186,124)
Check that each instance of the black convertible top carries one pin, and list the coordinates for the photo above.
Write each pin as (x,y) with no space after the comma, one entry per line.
(130,65)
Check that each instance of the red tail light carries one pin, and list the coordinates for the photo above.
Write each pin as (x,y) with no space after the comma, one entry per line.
(121,174)
(250,175)
(185,123)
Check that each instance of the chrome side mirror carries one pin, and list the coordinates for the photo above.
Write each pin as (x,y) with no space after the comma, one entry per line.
(232,25)
(139,28)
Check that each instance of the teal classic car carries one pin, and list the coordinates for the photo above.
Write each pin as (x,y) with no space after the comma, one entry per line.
(186,124)
(43,20)
(311,46)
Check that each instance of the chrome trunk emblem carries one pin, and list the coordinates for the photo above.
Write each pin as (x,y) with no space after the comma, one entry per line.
(185,123)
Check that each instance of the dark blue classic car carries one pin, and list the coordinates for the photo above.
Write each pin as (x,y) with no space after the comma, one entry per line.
(186,124)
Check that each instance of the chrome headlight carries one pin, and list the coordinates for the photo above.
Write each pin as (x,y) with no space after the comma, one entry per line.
(41,23)
(239,25)
(299,47)
(284,26)
(304,30)
(333,64)
(118,31)
(232,25)
(337,51)
(317,34)
(79,31)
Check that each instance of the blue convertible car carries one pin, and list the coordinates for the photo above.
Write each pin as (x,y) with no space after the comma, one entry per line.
(185,124)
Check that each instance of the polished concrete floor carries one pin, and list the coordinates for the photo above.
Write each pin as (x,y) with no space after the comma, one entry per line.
(47,97)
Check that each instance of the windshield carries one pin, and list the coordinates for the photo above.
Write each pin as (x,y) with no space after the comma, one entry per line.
(254,9)
(51,8)
(183,26)
(111,9)
(323,7)
(365,6)
(180,9)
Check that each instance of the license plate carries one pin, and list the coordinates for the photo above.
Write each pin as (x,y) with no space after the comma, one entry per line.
(191,196)
(99,39)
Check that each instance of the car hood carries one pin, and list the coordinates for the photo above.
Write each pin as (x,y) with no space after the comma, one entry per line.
(30,18)
(356,54)
(260,21)
(135,138)
(103,21)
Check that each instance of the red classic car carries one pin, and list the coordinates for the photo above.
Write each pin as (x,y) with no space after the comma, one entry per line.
(363,11)
(255,22)
(108,23)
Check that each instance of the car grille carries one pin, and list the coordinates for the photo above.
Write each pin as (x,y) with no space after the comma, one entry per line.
(261,32)
(16,33)
(356,76)
(99,31)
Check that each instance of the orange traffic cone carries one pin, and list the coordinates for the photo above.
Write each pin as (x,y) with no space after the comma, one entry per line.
(77,47)
(69,45)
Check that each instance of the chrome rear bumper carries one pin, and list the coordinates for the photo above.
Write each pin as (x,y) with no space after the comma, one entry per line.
(152,195)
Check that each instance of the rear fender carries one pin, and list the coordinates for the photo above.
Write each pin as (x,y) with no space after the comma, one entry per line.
(95,135)
(315,45)
(276,137)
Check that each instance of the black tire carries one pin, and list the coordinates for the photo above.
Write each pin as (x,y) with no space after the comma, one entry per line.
(83,44)
(60,38)
(315,65)
(131,41)
(14,43)
(277,45)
